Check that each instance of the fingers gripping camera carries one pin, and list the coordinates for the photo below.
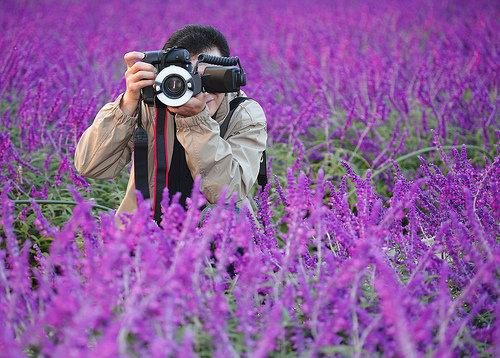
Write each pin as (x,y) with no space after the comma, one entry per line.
(177,81)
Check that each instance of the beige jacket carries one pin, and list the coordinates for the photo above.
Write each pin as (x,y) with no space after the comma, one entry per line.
(105,148)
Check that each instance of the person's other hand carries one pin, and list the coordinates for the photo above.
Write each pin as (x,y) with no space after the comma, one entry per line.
(195,105)
(138,75)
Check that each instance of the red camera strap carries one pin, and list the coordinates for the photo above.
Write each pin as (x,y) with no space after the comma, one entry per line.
(161,160)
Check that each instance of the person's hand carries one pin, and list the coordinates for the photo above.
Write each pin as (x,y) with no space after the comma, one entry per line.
(138,75)
(195,105)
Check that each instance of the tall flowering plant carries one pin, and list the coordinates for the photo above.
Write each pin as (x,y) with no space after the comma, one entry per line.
(376,236)
(365,83)
(418,277)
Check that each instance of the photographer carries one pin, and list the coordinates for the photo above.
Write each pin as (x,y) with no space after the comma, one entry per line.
(192,142)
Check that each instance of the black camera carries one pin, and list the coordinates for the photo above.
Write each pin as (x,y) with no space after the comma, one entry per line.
(177,81)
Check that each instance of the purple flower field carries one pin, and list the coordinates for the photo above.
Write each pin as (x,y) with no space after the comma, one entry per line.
(378,232)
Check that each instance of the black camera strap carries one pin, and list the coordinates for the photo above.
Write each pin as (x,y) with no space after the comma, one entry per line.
(235,102)
(141,156)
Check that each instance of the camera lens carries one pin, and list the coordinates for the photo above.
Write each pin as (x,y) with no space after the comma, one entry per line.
(174,86)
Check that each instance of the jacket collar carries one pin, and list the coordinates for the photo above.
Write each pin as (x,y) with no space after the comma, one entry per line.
(223,108)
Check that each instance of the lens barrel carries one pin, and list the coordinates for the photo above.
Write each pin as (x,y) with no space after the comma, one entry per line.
(174,86)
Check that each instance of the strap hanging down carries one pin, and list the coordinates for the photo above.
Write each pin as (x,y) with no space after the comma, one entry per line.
(141,157)
(161,160)
(262,177)
(232,107)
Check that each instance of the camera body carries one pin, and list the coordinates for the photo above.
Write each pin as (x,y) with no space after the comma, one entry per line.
(177,81)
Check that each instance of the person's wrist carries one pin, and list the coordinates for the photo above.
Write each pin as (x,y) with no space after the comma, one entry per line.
(192,112)
(200,119)
(128,104)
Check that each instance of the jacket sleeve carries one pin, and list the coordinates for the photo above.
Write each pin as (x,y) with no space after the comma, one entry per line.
(105,147)
(233,162)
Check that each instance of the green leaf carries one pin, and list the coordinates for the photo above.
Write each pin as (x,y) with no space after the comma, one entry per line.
(467,96)
(345,350)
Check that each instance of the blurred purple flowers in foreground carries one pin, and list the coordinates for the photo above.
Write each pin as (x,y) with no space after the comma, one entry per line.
(378,237)
(420,276)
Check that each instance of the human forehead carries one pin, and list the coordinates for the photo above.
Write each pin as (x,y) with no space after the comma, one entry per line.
(202,65)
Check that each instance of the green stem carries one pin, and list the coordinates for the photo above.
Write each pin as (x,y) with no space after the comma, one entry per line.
(421,151)
(425,150)
(353,154)
(57,202)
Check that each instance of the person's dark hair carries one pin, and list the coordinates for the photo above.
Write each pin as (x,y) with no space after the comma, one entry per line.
(198,38)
